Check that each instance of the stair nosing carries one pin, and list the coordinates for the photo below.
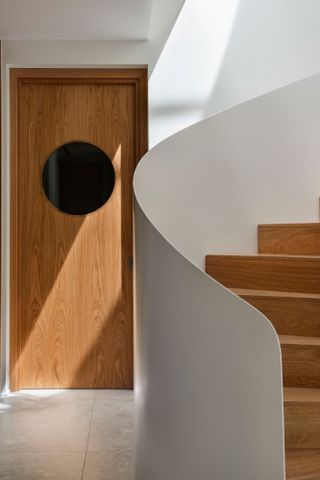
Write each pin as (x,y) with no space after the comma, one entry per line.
(299,340)
(281,225)
(247,256)
(242,292)
(301,395)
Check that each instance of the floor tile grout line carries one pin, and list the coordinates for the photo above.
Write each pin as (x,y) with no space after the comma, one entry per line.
(87,444)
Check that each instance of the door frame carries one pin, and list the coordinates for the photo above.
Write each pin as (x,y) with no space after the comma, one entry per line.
(138,77)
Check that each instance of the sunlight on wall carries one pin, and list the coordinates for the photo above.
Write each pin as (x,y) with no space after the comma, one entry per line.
(185,74)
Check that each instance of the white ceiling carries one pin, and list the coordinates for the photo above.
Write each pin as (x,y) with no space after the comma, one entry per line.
(75,19)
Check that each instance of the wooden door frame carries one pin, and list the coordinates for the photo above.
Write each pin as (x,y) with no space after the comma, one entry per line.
(138,77)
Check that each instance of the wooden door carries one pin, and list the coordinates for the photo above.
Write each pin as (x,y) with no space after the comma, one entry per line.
(71,275)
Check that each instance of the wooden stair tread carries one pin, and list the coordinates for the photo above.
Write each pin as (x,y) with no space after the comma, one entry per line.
(303,464)
(284,273)
(295,340)
(301,395)
(302,419)
(243,292)
(291,238)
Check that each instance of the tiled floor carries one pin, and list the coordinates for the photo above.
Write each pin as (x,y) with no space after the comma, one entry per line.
(67,435)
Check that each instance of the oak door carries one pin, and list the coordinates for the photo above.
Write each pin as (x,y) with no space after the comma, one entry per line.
(71,274)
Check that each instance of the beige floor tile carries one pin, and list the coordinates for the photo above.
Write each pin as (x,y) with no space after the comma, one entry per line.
(111,395)
(112,421)
(41,466)
(44,434)
(113,464)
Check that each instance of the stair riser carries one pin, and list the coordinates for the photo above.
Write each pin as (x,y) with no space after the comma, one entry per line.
(302,464)
(290,316)
(303,239)
(284,274)
(302,425)
(301,366)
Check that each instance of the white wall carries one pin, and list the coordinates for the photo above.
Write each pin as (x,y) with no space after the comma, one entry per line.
(256,163)
(273,43)
(220,54)
(182,80)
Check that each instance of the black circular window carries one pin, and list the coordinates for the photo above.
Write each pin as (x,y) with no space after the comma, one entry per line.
(78,178)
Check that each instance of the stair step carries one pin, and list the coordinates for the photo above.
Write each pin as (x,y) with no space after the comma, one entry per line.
(290,239)
(302,417)
(284,273)
(307,395)
(301,361)
(303,464)
(290,313)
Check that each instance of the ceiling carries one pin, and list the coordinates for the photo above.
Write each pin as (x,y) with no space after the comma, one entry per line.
(75,19)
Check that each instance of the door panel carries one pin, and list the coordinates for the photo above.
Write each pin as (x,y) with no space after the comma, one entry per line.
(71,290)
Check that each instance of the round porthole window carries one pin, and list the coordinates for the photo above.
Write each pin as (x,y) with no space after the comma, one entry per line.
(78,178)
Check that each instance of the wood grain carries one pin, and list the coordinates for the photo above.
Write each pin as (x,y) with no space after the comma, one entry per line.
(302,417)
(72,312)
(303,464)
(284,273)
(289,239)
(301,361)
(290,313)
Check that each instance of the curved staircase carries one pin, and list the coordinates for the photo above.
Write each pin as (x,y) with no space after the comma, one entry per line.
(283,282)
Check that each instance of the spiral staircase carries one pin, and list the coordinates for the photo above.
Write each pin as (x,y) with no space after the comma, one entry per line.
(227,367)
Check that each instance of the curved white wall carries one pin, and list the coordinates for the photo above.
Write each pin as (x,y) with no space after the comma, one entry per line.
(208,371)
